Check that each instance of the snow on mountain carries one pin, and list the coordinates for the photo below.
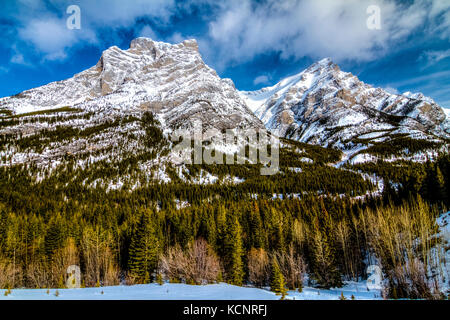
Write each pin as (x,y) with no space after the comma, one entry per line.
(170,80)
(447,113)
(326,106)
(96,113)
(321,105)
(418,96)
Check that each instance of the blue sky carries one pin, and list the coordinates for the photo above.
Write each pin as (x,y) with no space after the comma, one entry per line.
(255,43)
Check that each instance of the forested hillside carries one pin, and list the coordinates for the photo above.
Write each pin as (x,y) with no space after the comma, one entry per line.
(310,222)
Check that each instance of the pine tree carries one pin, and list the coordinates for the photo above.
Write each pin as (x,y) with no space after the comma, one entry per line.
(144,249)
(277,283)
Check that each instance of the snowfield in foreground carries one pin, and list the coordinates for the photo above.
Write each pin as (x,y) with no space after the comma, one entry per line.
(172,291)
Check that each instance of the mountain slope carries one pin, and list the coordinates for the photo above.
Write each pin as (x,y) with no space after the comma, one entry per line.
(326,106)
(170,80)
(96,116)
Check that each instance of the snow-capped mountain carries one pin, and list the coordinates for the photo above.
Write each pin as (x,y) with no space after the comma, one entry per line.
(96,118)
(97,114)
(324,105)
(170,80)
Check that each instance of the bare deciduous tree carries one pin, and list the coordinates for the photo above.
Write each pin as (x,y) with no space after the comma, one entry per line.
(8,274)
(258,267)
(98,258)
(292,267)
(198,264)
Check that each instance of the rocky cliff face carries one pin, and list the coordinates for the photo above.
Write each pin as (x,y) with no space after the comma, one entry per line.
(324,105)
(95,118)
(170,80)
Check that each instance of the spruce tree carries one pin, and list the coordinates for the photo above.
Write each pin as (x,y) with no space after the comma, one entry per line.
(144,249)
(234,252)
(277,282)
(221,230)
(54,237)
(324,263)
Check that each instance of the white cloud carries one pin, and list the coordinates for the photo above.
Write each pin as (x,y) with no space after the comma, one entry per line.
(431,85)
(263,79)
(240,29)
(17,57)
(51,37)
(298,28)
(148,32)
(391,90)
(440,13)
(46,29)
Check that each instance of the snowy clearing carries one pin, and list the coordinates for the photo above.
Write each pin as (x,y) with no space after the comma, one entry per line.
(172,291)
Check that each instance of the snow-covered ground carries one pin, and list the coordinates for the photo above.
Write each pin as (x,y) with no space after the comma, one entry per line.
(172,291)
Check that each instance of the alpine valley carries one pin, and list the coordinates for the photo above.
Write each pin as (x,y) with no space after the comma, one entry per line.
(89,176)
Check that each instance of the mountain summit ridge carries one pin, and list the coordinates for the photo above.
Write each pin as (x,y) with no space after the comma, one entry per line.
(170,80)
(325,105)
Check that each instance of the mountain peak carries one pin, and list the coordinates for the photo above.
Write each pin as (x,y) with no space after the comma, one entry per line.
(323,97)
(143,43)
(325,61)
(323,65)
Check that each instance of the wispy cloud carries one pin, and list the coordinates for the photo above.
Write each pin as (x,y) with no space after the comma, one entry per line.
(17,57)
(432,57)
(262,79)
(391,90)
(446,105)
(439,15)
(176,37)
(421,79)
(432,85)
